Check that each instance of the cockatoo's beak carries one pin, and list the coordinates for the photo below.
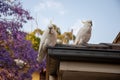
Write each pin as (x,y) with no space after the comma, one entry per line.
(50,30)
(91,23)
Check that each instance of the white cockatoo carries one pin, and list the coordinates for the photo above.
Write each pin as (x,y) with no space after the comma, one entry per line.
(49,38)
(84,34)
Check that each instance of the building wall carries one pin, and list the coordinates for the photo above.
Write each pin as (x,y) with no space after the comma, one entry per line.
(74,75)
(88,71)
(36,76)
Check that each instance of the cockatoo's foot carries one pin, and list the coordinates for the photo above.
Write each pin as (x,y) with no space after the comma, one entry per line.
(84,44)
(76,43)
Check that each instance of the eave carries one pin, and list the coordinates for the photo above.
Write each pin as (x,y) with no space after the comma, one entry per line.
(94,53)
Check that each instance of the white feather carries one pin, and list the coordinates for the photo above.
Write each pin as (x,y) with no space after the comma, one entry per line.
(84,34)
(48,38)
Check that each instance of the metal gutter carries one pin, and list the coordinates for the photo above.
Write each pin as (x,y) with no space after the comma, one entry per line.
(73,53)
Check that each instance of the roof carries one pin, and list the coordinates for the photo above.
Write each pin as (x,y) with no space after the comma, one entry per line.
(100,53)
(117,39)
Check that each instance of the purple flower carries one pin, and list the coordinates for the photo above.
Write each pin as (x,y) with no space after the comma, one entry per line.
(13,44)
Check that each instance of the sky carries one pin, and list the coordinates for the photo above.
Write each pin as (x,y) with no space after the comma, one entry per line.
(68,14)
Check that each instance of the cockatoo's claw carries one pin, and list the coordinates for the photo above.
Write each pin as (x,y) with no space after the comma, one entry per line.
(83,44)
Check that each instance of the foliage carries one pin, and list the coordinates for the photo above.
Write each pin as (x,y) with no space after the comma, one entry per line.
(34,39)
(66,37)
(13,43)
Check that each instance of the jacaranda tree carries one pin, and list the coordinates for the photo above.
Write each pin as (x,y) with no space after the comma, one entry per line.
(17,57)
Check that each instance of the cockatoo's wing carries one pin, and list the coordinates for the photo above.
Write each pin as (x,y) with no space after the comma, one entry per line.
(43,39)
(41,51)
(78,36)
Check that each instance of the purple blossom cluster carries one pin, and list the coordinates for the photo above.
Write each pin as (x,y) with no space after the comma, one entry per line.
(14,9)
(13,44)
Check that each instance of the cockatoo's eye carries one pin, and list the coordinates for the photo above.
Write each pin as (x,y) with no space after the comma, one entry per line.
(50,28)
(91,24)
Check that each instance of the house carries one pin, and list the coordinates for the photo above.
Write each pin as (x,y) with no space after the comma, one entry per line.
(88,62)
(83,62)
